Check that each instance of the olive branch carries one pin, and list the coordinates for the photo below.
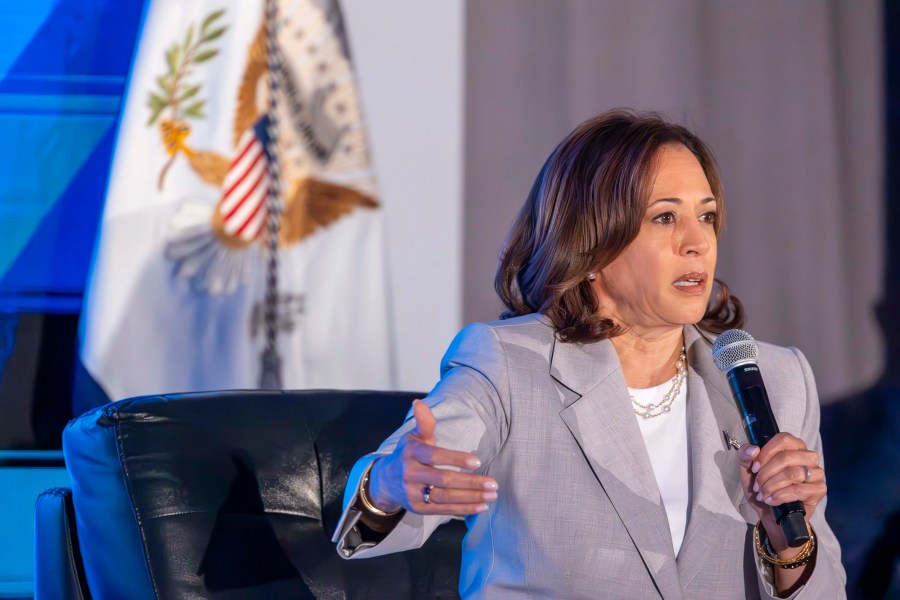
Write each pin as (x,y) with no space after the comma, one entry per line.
(179,95)
(174,91)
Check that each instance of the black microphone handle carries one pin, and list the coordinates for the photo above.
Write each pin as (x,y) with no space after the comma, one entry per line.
(759,424)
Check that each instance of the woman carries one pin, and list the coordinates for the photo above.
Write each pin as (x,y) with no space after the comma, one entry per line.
(583,434)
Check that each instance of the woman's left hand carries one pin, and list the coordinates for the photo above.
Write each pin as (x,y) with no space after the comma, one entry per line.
(775,474)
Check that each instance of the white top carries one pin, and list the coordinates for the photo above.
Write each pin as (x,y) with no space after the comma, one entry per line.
(666,438)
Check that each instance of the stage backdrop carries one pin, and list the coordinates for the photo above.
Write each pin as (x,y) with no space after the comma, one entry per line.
(789,95)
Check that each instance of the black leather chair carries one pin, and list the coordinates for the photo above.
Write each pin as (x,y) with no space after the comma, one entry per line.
(224,495)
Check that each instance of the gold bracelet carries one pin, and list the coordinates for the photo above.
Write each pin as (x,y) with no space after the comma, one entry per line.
(364,497)
(802,558)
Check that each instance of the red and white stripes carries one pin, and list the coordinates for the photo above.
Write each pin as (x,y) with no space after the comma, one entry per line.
(246,190)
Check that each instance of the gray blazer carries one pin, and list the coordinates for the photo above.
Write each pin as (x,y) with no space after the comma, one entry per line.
(579,513)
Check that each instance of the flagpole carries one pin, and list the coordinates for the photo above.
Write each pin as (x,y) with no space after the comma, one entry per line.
(270,377)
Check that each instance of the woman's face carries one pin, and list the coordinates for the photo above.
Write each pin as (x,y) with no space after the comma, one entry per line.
(664,277)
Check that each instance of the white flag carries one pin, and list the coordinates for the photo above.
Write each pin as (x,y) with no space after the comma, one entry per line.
(186,293)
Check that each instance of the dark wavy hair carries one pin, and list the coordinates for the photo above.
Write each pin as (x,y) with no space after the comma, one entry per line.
(584,209)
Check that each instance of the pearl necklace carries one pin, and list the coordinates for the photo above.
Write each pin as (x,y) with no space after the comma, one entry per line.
(652,410)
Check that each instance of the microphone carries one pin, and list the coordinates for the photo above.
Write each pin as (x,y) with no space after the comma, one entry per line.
(735,353)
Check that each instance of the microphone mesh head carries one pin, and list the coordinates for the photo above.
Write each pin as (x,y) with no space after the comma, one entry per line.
(732,347)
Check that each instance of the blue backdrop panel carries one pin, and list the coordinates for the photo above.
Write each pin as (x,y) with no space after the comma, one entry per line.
(63,72)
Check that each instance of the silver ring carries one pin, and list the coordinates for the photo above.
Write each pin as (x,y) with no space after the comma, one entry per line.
(426,493)
(807,473)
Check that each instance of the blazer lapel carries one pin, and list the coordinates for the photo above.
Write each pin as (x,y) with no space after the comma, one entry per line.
(604,426)
(715,475)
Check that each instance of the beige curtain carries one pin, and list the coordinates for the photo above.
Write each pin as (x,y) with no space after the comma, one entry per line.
(788,94)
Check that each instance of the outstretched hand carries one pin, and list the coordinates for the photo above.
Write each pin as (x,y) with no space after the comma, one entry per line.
(410,477)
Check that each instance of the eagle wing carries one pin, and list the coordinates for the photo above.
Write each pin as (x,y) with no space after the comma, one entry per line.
(210,166)
(247,112)
(312,203)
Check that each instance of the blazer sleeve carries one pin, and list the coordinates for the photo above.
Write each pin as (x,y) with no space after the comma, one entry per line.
(471,409)
(828,579)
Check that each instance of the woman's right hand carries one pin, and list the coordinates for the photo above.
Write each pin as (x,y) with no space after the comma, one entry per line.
(401,479)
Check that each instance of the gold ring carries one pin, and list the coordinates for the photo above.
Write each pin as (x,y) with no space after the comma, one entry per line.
(426,493)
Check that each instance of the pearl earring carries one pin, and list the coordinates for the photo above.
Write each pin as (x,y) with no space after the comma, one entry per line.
(591,276)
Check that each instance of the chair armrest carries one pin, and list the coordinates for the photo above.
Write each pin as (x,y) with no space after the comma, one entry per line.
(58,569)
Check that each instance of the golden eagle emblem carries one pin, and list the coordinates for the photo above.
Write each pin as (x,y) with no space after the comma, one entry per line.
(321,150)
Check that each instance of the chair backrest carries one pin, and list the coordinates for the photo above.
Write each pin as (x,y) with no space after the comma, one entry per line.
(236,494)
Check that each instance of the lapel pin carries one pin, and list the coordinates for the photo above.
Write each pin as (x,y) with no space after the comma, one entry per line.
(730,440)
